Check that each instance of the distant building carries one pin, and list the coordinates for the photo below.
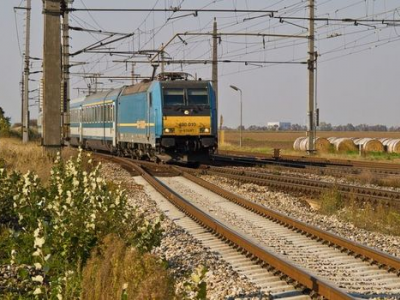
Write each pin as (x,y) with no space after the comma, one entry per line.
(279,125)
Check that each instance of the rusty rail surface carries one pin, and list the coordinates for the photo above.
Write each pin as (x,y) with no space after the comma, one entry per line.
(306,279)
(377,256)
(310,186)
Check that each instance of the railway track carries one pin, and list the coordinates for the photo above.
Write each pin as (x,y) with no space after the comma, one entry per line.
(321,166)
(371,266)
(306,186)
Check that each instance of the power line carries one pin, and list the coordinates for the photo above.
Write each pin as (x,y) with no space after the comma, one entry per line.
(175,9)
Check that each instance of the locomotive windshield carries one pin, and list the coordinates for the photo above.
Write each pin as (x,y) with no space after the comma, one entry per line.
(197,96)
(190,96)
(174,97)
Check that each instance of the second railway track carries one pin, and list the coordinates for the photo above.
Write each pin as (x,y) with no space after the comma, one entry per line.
(307,186)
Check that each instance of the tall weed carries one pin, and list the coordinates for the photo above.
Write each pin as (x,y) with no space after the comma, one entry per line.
(117,271)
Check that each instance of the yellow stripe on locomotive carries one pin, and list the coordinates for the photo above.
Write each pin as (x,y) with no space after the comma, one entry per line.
(187,125)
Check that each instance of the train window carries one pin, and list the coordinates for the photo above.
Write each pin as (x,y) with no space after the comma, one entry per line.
(112,113)
(174,97)
(197,96)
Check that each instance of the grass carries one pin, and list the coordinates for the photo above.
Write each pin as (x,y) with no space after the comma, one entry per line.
(331,202)
(231,147)
(116,271)
(14,155)
(379,218)
(367,177)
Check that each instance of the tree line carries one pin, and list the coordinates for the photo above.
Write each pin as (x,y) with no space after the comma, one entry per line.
(323,126)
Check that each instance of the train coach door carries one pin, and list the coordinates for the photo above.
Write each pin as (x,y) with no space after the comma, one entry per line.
(148,121)
(80,111)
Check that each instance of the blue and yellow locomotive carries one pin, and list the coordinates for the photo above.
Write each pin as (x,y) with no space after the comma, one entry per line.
(168,118)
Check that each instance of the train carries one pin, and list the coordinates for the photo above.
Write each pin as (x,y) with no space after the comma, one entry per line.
(170,118)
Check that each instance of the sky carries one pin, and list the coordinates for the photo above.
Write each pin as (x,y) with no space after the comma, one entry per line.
(358,75)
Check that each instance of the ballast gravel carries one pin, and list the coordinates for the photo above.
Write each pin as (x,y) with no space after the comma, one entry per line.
(182,252)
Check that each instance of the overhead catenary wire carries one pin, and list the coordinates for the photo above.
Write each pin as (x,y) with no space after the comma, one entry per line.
(182,50)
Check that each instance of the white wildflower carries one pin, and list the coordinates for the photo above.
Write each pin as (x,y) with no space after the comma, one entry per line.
(38,266)
(46,258)
(39,242)
(38,291)
(36,232)
(69,197)
(38,278)
(75,182)
(125,286)
(59,297)
(13,252)
(38,252)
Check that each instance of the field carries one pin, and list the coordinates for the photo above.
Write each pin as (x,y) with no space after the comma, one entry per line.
(265,141)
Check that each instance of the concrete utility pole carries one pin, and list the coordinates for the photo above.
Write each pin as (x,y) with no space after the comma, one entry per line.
(214,77)
(311,78)
(65,72)
(52,77)
(25,107)
(22,102)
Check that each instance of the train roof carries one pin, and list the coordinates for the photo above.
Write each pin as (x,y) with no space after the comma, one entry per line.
(102,96)
(140,87)
(77,101)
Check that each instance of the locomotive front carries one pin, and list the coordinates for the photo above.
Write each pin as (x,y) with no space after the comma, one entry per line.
(189,120)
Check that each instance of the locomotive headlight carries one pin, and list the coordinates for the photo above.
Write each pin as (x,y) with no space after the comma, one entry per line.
(169,130)
(204,130)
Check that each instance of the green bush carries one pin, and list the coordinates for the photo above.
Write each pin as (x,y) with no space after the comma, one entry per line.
(331,201)
(55,228)
(4,124)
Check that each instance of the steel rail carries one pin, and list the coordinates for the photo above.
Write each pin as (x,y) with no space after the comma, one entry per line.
(380,257)
(306,279)
(385,197)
